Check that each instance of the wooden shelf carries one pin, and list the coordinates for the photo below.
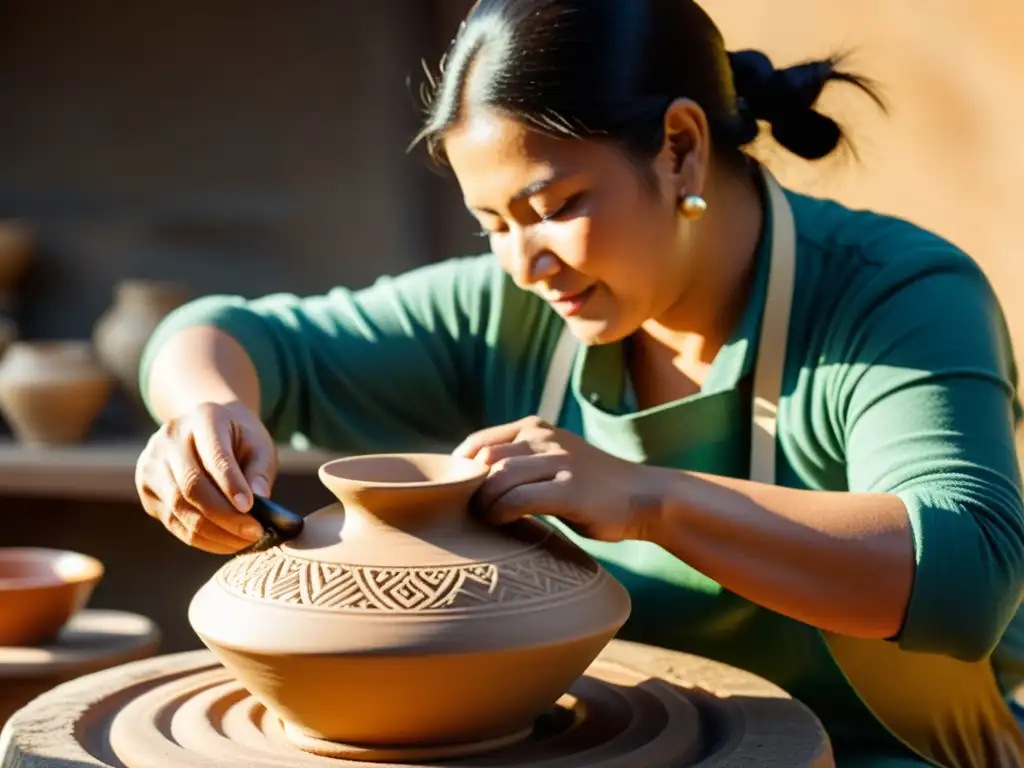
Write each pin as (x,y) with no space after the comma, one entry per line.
(99,470)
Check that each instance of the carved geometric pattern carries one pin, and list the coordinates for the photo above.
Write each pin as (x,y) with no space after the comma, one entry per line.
(276,576)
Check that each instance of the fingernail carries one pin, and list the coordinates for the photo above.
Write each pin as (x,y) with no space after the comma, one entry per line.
(259,487)
(252,530)
(241,501)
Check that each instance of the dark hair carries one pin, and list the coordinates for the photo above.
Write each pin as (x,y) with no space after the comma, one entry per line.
(610,68)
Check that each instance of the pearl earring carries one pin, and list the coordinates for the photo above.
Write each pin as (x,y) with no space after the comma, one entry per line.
(692,207)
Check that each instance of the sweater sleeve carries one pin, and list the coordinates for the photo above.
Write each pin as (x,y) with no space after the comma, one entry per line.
(927,410)
(388,367)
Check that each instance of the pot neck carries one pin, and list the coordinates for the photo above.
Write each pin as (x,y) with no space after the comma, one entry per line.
(149,294)
(410,508)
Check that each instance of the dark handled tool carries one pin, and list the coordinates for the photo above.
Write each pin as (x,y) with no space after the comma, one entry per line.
(279,524)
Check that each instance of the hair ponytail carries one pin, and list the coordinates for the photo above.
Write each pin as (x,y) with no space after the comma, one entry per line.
(785,99)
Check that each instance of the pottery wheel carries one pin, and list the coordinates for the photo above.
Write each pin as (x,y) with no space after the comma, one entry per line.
(635,706)
(90,641)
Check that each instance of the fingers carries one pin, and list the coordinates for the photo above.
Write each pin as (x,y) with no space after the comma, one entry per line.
(198,541)
(259,462)
(498,498)
(194,493)
(198,473)
(545,497)
(511,472)
(214,448)
(493,436)
(493,454)
(164,501)
(522,457)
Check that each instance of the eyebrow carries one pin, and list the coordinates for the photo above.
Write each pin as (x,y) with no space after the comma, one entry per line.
(528,191)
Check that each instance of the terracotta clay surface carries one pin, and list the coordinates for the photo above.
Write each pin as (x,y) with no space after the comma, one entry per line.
(635,706)
(52,391)
(40,589)
(91,641)
(399,597)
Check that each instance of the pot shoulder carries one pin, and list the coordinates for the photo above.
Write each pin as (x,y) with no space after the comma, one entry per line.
(545,590)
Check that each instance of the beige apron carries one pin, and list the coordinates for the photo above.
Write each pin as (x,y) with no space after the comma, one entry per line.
(910,693)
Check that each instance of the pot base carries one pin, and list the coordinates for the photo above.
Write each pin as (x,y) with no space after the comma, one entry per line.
(400,755)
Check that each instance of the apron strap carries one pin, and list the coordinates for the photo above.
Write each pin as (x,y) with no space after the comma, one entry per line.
(556,384)
(771,347)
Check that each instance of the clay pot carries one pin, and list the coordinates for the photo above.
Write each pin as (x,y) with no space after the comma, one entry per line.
(396,624)
(17,241)
(52,391)
(121,333)
(40,590)
(8,333)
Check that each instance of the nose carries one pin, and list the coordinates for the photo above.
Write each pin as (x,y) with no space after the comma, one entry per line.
(531,260)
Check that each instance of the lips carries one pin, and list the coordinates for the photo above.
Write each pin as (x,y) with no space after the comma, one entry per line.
(569,304)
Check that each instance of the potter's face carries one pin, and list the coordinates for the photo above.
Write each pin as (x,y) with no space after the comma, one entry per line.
(572,221)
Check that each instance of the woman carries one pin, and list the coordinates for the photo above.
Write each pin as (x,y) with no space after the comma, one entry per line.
(673,314)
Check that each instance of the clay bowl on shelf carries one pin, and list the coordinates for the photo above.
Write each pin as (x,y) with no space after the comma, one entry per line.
(398,627)
(51,391)
(40,589)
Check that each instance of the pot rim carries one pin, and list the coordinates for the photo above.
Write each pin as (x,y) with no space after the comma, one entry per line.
(467,470)
(52,346)
(85,568)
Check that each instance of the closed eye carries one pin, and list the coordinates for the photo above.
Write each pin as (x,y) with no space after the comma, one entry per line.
(570,205)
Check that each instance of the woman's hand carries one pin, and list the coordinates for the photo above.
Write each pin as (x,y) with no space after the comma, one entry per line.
(537,469)
(198,473)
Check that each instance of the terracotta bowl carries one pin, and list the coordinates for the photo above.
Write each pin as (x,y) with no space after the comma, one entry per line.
(40,589)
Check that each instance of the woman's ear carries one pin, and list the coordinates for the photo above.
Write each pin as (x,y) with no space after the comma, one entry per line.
(682,163)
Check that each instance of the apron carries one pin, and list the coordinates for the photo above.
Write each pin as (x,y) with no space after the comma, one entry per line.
(948,712)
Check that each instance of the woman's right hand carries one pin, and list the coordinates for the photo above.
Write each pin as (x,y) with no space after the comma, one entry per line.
(198,473)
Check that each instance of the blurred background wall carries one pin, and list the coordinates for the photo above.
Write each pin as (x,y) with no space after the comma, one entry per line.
(238,146)
(260,146)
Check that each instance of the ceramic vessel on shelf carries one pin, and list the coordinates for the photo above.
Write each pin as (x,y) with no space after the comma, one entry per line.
(52,391)
(17,242)
(40,590)
(8,333)
(396,625)
(121,333)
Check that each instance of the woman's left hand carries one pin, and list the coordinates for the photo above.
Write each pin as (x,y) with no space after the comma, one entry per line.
(537,469)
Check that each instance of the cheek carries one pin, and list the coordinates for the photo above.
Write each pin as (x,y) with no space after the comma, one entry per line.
(578,245)
(632,255)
